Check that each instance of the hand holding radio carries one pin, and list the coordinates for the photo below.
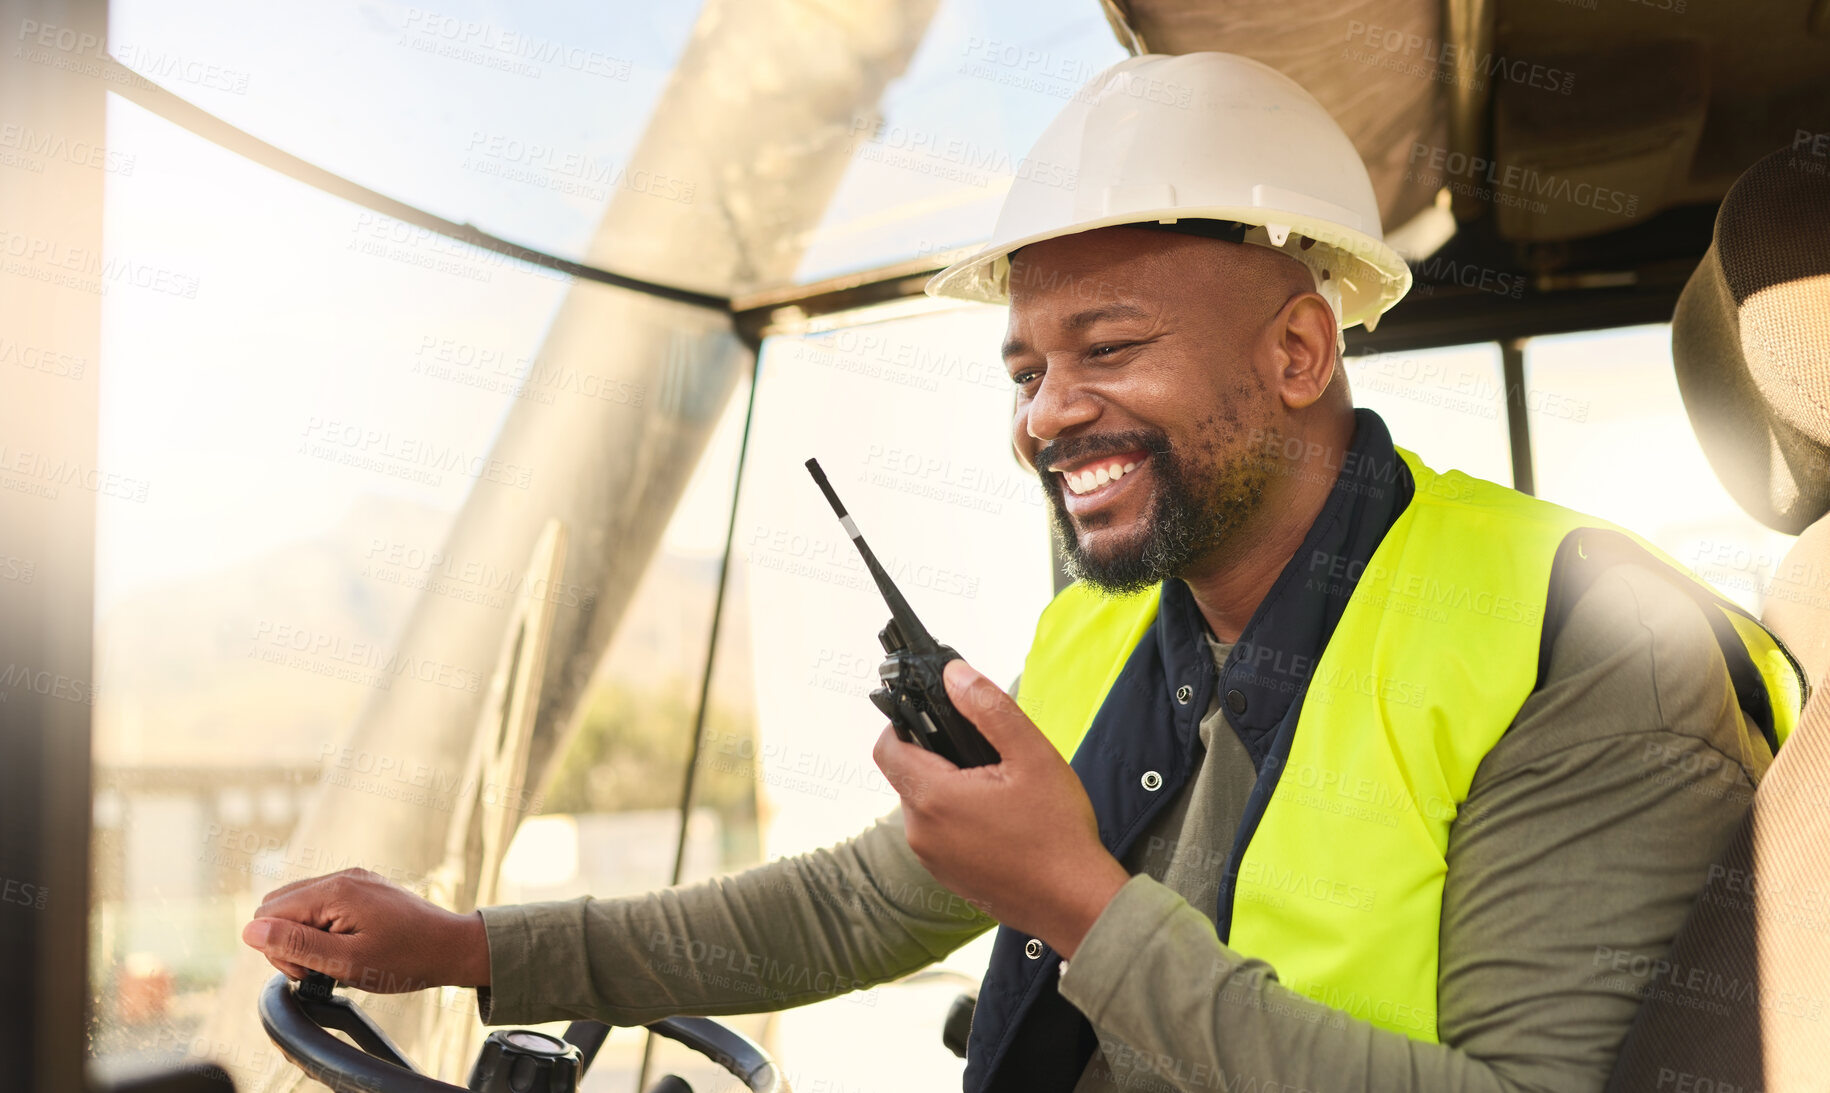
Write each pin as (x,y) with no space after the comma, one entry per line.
(913,695)
(1018,838)
(990,808)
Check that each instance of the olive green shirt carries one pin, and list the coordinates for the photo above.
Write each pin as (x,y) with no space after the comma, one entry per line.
(1587,833)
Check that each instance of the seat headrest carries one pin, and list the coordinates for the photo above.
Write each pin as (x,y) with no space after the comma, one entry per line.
(1751,339)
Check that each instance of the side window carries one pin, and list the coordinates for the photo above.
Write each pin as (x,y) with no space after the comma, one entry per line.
(1447,405)
(295,481)
(1610,437)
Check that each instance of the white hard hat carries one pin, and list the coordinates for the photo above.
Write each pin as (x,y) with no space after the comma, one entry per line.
(1198,136)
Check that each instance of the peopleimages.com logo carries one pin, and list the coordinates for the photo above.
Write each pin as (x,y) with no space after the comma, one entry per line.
(1510,183)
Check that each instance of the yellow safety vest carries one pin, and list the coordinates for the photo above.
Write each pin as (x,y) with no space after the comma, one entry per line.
(1340,886)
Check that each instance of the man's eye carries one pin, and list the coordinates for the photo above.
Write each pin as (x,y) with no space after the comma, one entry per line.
(1107,350)
(1025,377)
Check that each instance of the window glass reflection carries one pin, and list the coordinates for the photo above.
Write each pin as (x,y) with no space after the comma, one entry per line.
(1610,437)
(1447,405)
(929,167)
(519,119)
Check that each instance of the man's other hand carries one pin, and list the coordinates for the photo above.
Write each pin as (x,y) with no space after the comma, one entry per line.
(369,934)
(1017,838)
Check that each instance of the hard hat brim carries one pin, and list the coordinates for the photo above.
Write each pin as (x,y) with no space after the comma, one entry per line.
(1378,278)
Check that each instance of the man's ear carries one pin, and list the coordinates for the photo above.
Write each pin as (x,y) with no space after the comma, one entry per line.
(1304,329)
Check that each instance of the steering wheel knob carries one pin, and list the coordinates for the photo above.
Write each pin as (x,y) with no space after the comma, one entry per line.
(525,1061)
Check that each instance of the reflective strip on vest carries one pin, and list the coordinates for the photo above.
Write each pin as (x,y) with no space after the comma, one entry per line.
(1778,669)
(1340,886)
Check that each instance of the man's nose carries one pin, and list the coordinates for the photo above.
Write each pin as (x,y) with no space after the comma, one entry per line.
(1058,407)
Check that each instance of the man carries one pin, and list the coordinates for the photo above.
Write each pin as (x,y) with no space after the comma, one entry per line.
(1381,778)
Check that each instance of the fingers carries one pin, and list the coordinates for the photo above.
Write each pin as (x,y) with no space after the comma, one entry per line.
(324,902)
(262,934)
(305,905)
(292,948)
(908,769)
(998,717)
(286,968)
(298,884)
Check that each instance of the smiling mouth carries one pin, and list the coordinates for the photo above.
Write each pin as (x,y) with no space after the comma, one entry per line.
(1089,475)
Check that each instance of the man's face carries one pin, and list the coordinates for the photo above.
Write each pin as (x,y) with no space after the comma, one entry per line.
(1142,380)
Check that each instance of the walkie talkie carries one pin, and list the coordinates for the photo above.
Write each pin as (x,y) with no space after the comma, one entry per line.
(913,695)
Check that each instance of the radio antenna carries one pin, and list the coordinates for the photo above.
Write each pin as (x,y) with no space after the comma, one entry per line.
(918,637)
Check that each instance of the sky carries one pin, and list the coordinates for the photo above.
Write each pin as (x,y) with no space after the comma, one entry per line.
(305,314)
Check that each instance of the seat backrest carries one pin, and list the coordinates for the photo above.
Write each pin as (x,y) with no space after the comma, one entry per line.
(1742,1001)
(1797,606)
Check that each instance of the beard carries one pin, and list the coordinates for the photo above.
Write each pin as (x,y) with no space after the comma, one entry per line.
(1197,508)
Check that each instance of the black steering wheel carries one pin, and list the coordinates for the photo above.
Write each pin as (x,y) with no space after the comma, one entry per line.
(298,1018)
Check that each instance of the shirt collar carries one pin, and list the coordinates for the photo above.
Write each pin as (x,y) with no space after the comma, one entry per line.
(1276,652)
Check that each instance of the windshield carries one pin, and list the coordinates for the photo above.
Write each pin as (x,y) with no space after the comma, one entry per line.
(385,482)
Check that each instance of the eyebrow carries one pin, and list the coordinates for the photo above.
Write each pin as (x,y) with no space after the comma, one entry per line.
(1083,319)
(1080,320)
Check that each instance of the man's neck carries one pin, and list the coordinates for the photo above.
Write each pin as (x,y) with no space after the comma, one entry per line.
(1229,590)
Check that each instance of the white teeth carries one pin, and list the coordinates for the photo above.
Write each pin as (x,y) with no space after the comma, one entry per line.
(1088,481)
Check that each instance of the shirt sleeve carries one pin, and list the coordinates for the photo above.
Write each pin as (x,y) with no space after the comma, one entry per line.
(782,934)
(1587,833)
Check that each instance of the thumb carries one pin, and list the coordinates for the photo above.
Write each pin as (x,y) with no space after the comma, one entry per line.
(998,717)
(285,941)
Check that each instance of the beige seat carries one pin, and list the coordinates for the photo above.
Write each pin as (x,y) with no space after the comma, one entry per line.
(1743,1003)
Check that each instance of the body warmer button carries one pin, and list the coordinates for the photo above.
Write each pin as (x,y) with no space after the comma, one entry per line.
(1184,693)
(1235,701)
(1152,781)
(1032,949)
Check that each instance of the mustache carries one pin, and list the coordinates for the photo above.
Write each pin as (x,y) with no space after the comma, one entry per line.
(1077,449)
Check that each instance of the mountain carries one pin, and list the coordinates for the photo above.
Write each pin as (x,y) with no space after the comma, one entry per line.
(179,675)
(240,667)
